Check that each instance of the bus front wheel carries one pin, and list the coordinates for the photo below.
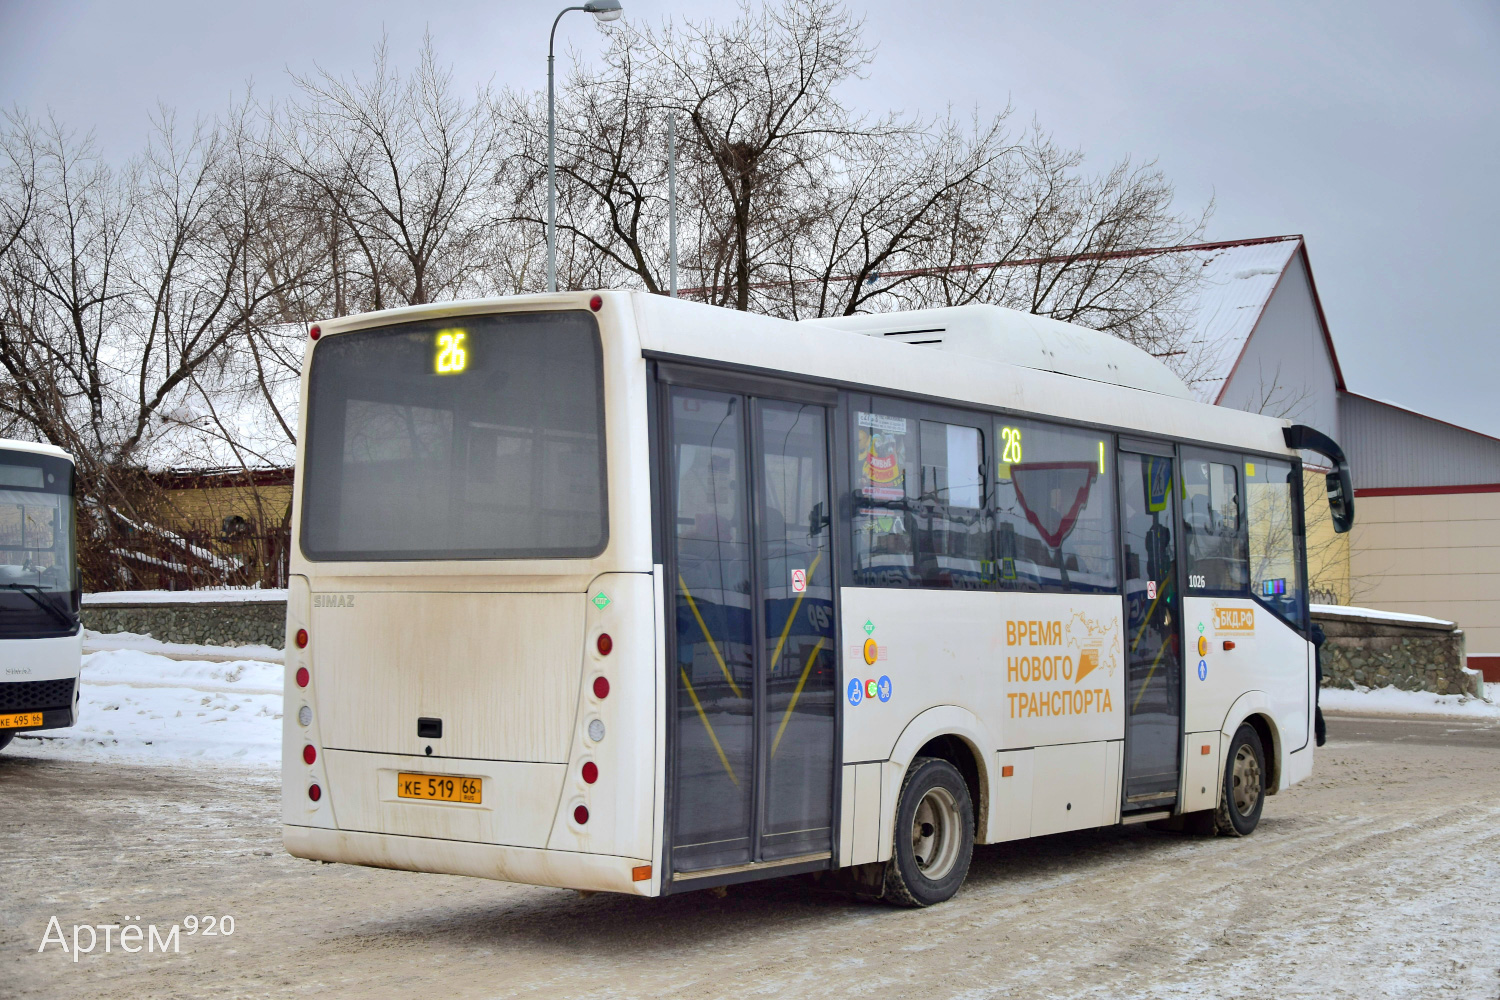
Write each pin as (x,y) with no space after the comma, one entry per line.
(934,835)
(1244,792)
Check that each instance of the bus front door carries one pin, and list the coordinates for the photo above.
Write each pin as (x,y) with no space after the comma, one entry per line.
(754,676)
(1153,654)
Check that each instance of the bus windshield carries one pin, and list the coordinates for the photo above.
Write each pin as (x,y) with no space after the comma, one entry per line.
(478,437)
(36,545)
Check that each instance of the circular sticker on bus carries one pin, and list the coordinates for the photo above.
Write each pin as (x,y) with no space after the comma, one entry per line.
(856,691)
(883,688)
(1203,670)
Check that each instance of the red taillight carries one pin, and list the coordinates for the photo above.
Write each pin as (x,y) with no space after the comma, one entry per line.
(303,677)
(309,754)
(580,814)
(604,644)
(315,332)
(596,303)
(302,638)
(314,792)
(601,687)
(590,772)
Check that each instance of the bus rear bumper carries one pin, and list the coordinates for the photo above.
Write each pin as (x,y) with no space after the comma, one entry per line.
(534,866)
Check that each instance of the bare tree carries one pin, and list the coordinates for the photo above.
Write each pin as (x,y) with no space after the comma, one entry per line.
(397,169)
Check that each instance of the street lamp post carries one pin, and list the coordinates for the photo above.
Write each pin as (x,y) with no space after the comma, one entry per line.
(603,10)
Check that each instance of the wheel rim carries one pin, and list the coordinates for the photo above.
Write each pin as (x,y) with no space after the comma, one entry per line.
(935,833)
(1246,781)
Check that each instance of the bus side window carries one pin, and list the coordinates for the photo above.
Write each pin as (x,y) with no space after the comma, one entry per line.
(951,528)
(1054,507)
(1214,530)
(885,484)
(1274,535)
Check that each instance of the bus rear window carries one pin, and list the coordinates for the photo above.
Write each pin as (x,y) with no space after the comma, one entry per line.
(476,437)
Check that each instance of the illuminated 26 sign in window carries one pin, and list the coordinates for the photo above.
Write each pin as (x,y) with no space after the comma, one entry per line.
(451,356)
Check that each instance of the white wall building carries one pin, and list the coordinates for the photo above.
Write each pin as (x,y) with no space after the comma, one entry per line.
(1427,532)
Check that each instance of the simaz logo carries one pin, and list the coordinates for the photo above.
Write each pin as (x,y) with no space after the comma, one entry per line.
(333,600)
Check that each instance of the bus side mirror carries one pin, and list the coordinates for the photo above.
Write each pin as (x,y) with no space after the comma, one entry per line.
(1340,482)
(1340,498)
(817,519)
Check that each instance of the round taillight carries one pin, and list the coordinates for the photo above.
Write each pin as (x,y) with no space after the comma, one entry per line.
(314,792)
(580,814)
(596,303)
(604,644)
(302,638)
(590,772)
(315,332)
(303,677)
(601,687)
(309,754)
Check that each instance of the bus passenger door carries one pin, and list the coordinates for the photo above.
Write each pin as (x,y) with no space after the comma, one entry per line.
(1153,653)
(755,671)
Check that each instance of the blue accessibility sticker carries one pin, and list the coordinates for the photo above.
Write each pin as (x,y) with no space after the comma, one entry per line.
(884,689)
(1203,670)
(856,691)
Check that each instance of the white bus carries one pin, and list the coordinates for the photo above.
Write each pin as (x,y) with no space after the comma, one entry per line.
(40,638)
(612,591)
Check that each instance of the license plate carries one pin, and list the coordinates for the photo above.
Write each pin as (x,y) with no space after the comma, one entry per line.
(20,720)
(439,787)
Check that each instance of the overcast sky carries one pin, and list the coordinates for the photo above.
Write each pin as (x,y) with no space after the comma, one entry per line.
(1372,129)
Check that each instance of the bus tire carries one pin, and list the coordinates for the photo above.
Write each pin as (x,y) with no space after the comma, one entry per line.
(6,736)
(934,835)
(1244,792)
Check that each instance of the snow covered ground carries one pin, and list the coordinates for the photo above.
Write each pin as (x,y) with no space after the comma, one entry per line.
(145,706)
(1393,701)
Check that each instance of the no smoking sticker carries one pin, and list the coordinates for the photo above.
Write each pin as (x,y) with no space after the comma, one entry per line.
(799,580)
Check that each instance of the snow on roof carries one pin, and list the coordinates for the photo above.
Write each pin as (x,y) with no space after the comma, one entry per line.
(224,595)
(230,416)
(1236,282)
(1337,611)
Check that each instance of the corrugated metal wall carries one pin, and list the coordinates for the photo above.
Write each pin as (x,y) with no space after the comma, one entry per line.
(1391,447)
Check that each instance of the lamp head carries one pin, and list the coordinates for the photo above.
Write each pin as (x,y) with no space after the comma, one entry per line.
(604,10)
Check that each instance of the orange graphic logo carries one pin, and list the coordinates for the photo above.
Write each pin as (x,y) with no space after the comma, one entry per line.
(1088,662)
(1234,619)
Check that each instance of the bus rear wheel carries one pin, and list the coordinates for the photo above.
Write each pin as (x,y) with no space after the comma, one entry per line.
(6,736)
(1244,792)
(934,835)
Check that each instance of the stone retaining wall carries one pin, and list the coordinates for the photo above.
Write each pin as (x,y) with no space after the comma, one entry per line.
(1370,652)
(1373,652)
(213,623)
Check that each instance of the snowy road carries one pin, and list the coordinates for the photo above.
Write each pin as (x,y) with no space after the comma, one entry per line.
(1380,877)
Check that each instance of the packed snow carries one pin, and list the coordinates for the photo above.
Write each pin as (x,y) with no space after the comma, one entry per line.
(94,642)
(1376,615)
(1394,701)
(145,706)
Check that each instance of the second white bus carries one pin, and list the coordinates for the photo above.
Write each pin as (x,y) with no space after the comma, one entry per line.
(611,591)
(41,650)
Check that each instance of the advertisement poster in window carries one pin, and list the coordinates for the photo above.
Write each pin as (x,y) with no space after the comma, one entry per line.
(882,461)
